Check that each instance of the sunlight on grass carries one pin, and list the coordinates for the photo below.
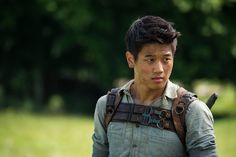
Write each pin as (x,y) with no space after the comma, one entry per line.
(225,137)
(26,135)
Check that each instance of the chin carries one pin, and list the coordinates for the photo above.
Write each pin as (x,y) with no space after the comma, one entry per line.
(159,85)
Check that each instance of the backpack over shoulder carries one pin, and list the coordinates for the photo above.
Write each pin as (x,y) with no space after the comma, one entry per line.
(173,120)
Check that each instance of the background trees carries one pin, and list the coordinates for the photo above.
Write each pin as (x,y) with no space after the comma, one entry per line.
(74,50)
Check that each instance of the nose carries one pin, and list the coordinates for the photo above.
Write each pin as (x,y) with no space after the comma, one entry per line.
(158,67)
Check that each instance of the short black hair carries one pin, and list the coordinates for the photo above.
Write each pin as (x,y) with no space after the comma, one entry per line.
(150,29)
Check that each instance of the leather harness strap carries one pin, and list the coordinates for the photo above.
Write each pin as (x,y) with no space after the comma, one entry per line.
(179,107)
(144,115)
(173,120)
(113,100)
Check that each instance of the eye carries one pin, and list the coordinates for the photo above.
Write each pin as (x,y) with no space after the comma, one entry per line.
(150,60)
(167,59)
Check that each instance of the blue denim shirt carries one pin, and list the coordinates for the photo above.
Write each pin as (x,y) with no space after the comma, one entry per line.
(124,139)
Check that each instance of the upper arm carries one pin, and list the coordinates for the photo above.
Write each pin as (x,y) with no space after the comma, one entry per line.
(200,138)
(100,142)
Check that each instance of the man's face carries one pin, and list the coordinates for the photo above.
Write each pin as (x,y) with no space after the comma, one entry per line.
(153,66)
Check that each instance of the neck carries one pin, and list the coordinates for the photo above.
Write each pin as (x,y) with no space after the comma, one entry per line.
(143,95)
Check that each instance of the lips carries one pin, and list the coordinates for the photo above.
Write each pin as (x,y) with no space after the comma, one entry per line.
(157,79)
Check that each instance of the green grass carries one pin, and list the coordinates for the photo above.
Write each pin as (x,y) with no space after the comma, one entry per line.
(29,135)
(226,137)
(43,135)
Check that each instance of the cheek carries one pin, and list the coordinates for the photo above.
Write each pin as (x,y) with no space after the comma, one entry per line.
(168,68)
(145,70)
(142,71)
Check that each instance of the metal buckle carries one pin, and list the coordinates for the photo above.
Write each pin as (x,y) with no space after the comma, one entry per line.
(179,109)
(148,117)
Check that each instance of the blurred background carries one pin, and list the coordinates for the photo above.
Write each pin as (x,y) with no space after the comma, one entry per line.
(57,57)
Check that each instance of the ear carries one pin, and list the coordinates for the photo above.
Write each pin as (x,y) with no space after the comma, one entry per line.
(130,59)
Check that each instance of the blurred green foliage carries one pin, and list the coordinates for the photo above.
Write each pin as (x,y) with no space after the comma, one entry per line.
(75,48)
(225,103)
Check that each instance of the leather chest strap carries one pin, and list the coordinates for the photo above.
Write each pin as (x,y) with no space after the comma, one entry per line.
(144,115)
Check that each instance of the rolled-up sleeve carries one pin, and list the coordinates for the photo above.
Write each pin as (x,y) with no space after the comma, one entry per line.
(200,138)
(100,142)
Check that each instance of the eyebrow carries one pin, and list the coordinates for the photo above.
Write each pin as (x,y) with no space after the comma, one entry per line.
(149,56)
(166,55)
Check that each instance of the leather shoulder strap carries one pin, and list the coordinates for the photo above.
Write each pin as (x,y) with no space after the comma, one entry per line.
(113,100)
(179,107)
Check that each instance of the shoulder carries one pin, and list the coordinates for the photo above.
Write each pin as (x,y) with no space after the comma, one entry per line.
(198,110)
(198,106)
(102,100)
(101,105)
(195,106)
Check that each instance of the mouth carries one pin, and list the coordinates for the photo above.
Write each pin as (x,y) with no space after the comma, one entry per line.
(157,79)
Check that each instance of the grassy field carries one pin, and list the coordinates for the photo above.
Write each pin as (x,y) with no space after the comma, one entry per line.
(27,135)
(30,135)
(226,137)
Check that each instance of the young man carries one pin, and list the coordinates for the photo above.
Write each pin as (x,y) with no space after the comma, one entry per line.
(151,44)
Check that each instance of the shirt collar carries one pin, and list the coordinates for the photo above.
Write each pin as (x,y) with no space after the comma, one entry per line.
(171,90)
(126,87)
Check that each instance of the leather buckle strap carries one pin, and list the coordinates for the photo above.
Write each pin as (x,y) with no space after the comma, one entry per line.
(154,117)
(144,115)
(110,103)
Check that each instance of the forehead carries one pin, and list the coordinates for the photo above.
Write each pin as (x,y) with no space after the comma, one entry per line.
(155,49)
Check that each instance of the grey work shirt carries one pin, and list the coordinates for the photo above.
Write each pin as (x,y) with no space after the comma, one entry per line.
(124,139)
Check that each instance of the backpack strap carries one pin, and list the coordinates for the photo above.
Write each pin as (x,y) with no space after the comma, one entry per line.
(179,107)
(113,100)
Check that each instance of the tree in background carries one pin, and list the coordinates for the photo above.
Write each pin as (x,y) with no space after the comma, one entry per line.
(75,49)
